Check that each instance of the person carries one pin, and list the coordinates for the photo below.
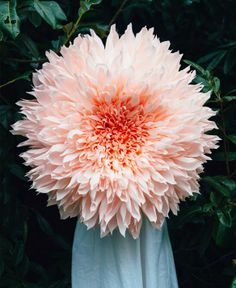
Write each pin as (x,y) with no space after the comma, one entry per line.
(115,261)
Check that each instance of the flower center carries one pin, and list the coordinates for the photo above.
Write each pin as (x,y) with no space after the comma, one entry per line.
(120,131)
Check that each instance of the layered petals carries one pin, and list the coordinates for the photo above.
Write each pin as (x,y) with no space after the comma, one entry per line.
(116,132)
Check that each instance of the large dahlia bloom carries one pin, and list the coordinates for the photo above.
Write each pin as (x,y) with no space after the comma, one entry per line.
(116,131)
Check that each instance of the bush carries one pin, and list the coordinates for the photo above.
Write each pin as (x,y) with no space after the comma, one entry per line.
(35,245)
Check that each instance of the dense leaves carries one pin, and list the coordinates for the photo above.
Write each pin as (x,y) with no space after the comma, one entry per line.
(9,20)
(50,11)
(35,245)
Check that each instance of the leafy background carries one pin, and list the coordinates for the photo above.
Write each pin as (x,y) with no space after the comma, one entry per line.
(35,245)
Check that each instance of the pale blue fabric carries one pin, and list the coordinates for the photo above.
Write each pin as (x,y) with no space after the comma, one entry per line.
(118,262)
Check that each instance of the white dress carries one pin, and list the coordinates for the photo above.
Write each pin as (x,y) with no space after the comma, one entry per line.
(118,262)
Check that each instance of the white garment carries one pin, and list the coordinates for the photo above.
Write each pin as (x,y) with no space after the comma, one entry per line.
(118,262)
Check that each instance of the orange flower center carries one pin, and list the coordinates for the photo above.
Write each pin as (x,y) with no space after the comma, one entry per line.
(120,131)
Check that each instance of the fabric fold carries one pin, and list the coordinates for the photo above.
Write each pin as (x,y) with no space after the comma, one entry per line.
(118,262)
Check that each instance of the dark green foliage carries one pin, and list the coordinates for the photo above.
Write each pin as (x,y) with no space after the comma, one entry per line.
(35,245)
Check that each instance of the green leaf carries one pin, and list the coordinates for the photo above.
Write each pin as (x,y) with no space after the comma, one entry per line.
(229,183)
(56,44)
(215,183)
(233,285)
(231,92)
(194,197)
(216,61)
(207,85)
(85,5)
(229,45)
(35,19)
(220,233)
(225,217)
(100,29)
(230,61)
(51,12)
(229,98)
(232,138)
(216,84)
(216,198)
(28,46)
(199,79)
(208,57)
(9,20)
(196,66)
(206,208)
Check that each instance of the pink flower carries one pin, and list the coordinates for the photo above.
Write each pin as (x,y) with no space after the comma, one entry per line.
(116,132)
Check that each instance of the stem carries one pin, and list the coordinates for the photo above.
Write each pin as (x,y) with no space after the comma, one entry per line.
(9,82)
(15,79)
(72,31)
(75,26)
(113,19)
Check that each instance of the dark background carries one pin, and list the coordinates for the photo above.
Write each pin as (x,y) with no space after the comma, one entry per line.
(35,245)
